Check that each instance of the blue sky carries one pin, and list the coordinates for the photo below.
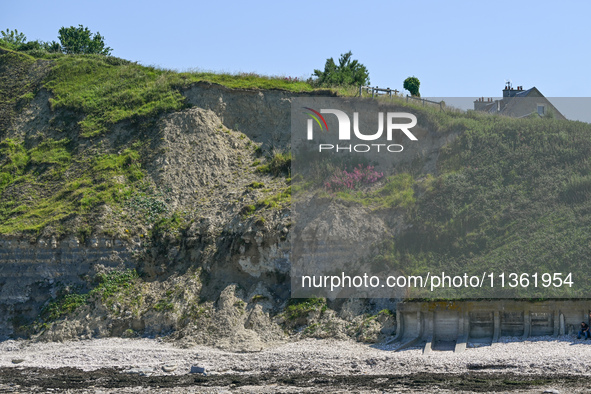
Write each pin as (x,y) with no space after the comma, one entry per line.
(455,48)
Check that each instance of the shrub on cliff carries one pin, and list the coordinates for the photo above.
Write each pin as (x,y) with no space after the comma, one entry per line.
(79,40)
(347,72)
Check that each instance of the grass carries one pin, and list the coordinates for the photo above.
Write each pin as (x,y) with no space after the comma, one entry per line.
(113,282)
(246,81)
(164,305)
(512,195)
(35,193)
(30,171)
(168,226)
(508,195)
(248,210)
(18,83)
(44,183)
(69,300)
(396,192)
(64,304)
(300,307)
(279,164)
(50,152)
(255,185)
(107,90)
(278,200)
(149,206)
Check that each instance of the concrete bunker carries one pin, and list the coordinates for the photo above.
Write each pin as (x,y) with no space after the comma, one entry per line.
(459,322)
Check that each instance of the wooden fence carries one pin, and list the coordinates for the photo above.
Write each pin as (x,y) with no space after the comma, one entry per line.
(376,91)
(440,103)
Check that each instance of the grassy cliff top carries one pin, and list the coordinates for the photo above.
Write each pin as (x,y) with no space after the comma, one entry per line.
(108,89)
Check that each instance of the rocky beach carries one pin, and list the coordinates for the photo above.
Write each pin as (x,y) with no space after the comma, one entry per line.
(157,365)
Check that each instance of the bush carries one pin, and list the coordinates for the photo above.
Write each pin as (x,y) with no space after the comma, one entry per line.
(12,39)
(247,210)
(279,164)
(347,72)
(79,40)
(577,189)
(52,47)
(300,307)
(66,302)
(30,46)
(256,185)
(412,85)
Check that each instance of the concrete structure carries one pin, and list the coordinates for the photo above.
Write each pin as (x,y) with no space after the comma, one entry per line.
(519,103)
(451,324)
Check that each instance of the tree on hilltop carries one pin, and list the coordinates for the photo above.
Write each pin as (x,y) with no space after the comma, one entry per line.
(412,85)
(12,39)
(79,40)
(347,72)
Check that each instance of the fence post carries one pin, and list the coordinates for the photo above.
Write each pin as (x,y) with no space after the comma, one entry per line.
(360,90)
(372,92)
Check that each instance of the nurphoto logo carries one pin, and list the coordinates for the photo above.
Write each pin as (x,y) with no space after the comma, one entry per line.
(344,130)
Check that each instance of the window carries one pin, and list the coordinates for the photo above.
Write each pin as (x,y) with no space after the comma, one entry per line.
(541,110)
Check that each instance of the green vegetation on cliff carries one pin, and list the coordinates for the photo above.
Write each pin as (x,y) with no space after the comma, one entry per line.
(72,174)
(105,90)
(507,195)
(507,192)
(108,90)
(19,75)
(44,184)
(511,194)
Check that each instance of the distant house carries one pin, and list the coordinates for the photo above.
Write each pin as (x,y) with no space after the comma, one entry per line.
(519,103)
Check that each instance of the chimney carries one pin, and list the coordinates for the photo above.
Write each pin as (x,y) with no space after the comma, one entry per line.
(509,91)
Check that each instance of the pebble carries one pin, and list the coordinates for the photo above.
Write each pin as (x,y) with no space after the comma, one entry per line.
(169,367)
(141,371)
(540,355)
(196,369)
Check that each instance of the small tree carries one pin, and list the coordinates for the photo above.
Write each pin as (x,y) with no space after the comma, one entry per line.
(79,40)
(52,46)
(347,72)
(12,39)
(412,85)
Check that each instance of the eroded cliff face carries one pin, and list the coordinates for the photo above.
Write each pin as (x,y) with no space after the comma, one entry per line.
(220,273)
(33,272)
(263,116)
